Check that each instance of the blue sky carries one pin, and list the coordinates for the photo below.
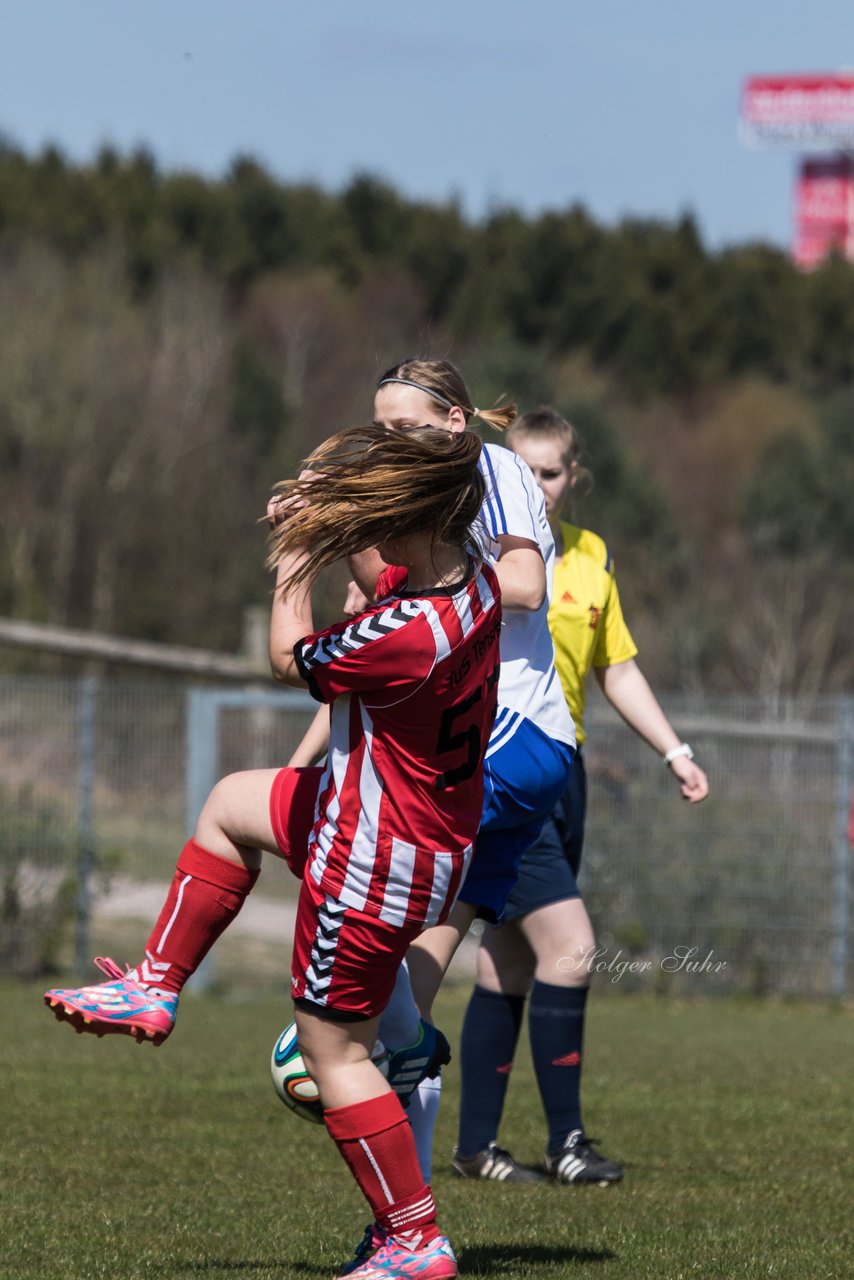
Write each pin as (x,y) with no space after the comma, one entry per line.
(628,106)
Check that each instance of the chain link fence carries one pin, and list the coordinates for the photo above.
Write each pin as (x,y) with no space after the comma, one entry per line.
(750,892)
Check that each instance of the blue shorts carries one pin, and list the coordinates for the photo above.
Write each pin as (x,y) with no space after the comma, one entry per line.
(549,867)
(523,781)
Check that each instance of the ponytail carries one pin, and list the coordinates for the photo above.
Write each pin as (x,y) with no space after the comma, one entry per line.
(499,418)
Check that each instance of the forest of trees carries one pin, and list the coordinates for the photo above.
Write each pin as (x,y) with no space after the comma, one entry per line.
(171,346)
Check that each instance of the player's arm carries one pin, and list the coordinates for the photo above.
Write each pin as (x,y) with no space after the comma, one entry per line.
(626,688)
(521,573)
(290,622)
(315,742)
(366,567)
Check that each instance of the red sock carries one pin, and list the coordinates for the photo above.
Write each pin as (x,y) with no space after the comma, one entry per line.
(205,895)
(376,1141)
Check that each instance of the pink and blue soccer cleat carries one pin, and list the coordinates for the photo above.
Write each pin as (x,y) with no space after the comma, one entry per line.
(373,1239)
(392,1261)
(118,1007)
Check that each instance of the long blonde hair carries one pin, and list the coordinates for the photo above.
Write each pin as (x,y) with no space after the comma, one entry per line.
(370,483)
(444,382)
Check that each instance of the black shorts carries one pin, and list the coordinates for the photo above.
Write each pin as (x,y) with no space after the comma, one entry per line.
(548,870)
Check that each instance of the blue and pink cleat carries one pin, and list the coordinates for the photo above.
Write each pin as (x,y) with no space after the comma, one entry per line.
(120,1006)
(435,1261)
(373,1239)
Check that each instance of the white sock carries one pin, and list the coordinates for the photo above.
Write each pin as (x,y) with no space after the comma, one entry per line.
(401,1021)
(421,1113)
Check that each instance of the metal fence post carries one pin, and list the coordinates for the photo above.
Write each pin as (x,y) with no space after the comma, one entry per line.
(841,914)
(201,753)
(86,707)
(201,750)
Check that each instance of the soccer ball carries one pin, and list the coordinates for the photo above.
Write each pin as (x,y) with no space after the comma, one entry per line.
(292,1082)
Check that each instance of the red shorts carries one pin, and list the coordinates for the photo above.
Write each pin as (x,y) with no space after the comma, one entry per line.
(293,801)
(345,962)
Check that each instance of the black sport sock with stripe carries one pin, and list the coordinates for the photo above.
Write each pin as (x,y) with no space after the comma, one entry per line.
(487,1048)
(556,1028)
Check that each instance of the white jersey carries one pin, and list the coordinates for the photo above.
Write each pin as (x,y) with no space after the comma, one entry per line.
(528,685)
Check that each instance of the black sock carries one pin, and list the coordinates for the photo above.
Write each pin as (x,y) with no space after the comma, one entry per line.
(487,1047)
(556,1027)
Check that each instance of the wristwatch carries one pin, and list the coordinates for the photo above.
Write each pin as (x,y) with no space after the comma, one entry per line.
(682,750)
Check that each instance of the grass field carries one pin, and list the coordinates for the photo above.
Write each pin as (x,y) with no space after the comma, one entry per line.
(733,1121)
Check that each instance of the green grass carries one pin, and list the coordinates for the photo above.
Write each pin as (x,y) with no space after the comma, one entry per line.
(732,1119)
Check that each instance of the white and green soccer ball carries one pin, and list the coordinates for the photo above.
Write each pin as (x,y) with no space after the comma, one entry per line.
(292,1082)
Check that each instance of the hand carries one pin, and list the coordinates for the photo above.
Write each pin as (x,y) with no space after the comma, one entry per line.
(281,506)
(694,785)
(277,510)
(356,602)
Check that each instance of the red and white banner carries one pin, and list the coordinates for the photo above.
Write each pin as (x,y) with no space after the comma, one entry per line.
(794,110)
(824,190)
(810,251)
(824,208)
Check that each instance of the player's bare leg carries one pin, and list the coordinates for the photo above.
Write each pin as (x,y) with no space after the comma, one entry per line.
(337,1056)
(216,871)
(433,950)
(561,938)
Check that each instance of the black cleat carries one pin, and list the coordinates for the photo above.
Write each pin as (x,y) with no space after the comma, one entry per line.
(578,1161)
(407,1067)
(493,1163)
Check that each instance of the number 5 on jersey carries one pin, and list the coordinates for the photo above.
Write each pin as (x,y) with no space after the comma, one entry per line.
(456,735)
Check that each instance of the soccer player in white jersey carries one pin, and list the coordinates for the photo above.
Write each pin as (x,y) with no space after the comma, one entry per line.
(382,836)
(532,744)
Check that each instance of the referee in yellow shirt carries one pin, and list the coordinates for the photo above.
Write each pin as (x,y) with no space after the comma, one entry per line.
(544,941)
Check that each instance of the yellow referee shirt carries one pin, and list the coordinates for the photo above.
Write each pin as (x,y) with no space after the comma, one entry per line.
(585,618)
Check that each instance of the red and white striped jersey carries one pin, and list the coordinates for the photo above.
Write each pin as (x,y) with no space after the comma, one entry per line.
(413,685)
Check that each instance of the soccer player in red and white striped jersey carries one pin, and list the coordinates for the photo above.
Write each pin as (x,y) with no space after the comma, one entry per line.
(412,683)
(382,836)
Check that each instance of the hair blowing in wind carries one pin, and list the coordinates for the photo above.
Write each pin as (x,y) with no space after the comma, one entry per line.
(368,483)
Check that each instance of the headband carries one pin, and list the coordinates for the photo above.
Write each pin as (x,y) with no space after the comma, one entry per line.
(407,382)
